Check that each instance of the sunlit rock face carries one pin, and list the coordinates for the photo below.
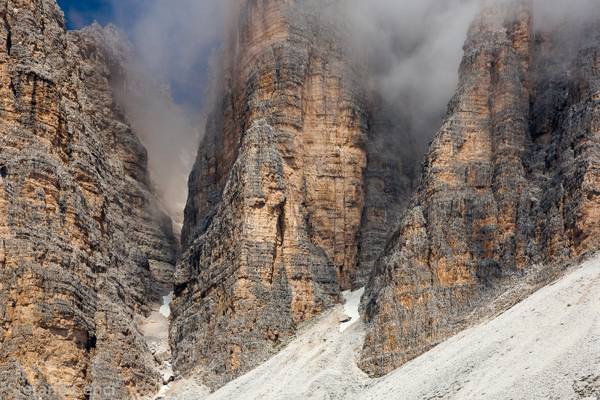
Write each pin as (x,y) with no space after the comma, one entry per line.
(302,176)
(511,179)
(292,197)
(285,205)
(84,245)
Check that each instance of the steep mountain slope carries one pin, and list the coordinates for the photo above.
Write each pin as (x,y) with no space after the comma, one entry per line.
(293,194)
(276,207)
(545,347)
(84,245)
(511,179)
(299,182)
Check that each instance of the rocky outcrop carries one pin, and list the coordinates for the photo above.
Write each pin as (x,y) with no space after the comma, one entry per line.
(301,178)
(81,232)
(394,155)
(511,179)
(277,196)
(296,188)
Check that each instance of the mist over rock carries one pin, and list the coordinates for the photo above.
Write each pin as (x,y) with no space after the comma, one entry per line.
(276,196)
(510,181)
(81,232)
(318,175)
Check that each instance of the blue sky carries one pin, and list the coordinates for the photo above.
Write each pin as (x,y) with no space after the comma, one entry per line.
(83,12)
(173,24)
(173,42)
(122,13)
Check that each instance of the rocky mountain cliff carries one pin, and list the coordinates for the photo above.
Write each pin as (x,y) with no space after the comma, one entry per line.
(294,193)
(84,246)
(301,179)
(511,180)
(286,208)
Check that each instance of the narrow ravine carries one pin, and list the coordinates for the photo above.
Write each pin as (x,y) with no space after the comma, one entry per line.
(155,329)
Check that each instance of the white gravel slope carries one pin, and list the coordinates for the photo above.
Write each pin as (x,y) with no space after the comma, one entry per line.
(351,305)
(546,347)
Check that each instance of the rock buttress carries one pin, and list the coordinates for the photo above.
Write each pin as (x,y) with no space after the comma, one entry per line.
(80,230)
(276,195)
(511,180)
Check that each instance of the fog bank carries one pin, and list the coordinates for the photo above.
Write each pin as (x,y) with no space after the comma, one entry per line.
(168,76)
(411,50)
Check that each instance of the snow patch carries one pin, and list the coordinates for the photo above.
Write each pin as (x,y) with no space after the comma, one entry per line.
(155,329)
(167,372)
(165,309)
(351,307)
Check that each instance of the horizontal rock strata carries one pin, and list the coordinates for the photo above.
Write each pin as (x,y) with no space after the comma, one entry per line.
(276,196)
(80,229)
(297,186)
(512,179)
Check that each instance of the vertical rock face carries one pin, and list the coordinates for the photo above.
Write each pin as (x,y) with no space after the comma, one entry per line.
(393,161)
(275,198)
(511,179)
(273,221)
(298,183)
(80,230)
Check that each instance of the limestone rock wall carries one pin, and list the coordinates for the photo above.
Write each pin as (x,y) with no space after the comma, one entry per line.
(80,229)
(394,157)
(300,180)
(276,196)
(511,180)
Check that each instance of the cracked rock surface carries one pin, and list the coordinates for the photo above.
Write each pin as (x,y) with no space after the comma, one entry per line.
(290,198)
(511,180)
(81,232)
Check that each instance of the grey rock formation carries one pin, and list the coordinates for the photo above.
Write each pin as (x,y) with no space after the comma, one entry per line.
(510,180)
(296,188)
(300,180)
(394,158)
(276,196)
(80,229)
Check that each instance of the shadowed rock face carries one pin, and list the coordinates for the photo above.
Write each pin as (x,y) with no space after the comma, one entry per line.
(280,217)
(511,179)
(81,233)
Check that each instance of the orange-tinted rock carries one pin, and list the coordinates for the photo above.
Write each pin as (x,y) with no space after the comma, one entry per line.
(276,196)
(79,224)
(510,181)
